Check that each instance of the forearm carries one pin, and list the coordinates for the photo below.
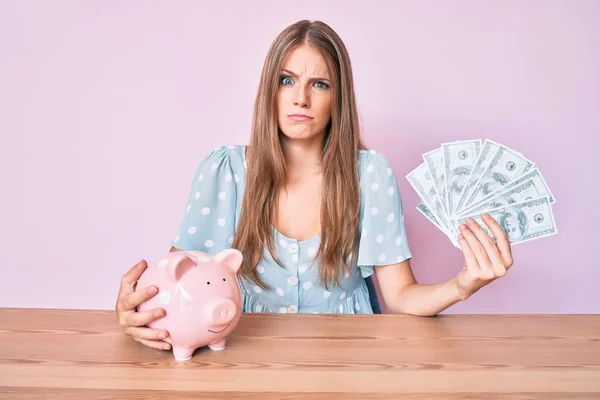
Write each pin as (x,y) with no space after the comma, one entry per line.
(426,299)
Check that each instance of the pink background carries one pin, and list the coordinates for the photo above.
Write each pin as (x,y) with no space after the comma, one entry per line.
(106,108)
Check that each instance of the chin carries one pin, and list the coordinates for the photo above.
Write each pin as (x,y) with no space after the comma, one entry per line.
(298,133)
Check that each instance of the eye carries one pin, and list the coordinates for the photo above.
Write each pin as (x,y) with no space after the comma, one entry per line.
(324,85)
(285,78)
(208,283)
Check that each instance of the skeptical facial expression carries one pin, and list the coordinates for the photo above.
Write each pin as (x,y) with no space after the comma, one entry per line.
(304,94)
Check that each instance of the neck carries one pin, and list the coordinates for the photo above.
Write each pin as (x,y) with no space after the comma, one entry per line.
(302,157)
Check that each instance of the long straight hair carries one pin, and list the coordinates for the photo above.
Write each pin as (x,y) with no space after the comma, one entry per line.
(266,173)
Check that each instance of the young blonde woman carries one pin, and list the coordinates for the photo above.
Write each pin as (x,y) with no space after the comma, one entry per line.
(313,211)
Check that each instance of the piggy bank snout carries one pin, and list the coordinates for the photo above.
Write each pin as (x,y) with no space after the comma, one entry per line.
(221,312)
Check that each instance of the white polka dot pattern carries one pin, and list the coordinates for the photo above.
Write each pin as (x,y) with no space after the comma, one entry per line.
(209,224)
(383,216)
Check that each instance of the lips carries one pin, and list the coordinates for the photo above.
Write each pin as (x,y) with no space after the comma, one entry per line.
(299,117)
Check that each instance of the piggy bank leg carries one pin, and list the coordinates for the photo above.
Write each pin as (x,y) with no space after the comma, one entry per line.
(182,353)
(218,345)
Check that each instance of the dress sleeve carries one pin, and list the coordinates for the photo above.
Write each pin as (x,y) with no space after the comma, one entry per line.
(382,232)
(208,223)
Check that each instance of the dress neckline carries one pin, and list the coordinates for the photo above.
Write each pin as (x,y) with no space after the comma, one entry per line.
(275,230)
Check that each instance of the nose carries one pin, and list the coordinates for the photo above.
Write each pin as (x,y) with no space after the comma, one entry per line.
(220,312)
(301,97)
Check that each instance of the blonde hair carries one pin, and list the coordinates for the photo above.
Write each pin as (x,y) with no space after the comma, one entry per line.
(266,174)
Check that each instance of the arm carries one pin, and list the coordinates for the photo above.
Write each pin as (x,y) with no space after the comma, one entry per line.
(402,294)
(485,261)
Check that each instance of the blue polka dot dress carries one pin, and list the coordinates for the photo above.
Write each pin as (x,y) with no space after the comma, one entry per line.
(213,211)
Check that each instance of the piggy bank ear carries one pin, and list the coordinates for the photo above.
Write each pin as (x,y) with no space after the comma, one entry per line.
(179,264)
(231,258)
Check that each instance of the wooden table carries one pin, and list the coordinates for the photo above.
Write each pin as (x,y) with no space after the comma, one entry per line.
(80,354)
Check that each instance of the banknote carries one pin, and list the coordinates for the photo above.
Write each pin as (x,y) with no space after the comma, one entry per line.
(488,151)
(429,215)
(459,158)
(505,166)
(530,186)
(422,182)
(466,178)
(435,164)
(522,222)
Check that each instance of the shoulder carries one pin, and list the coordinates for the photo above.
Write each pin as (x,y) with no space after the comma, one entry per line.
(224,159)
(234,152)
(373,163)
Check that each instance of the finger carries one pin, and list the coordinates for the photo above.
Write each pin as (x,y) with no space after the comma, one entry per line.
(155,344)
(143,318)
(483,260)
(132,300)
(147,333)
(496,262)
(502,241)
(132,276)
(470,259)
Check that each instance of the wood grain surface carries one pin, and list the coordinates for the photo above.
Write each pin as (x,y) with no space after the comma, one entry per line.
(84,354)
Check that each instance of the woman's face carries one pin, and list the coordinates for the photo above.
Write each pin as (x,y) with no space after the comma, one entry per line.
(304,95)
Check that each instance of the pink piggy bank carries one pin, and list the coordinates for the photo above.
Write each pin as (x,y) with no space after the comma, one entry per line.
(200,295)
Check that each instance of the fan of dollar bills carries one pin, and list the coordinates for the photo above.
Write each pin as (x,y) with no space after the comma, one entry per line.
(467,178)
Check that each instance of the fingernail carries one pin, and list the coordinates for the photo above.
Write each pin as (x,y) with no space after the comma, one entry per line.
(460,237)
(470,220)
(462,226)
(162,335)
(153,290)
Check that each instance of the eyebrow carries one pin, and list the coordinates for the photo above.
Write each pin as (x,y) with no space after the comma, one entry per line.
(296,75)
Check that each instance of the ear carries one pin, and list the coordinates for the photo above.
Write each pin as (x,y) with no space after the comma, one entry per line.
(231,258)
(180,263)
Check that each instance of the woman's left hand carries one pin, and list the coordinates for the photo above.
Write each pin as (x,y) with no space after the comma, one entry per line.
(485,261)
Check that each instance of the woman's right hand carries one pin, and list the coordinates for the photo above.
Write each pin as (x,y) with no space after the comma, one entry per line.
(134,322)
